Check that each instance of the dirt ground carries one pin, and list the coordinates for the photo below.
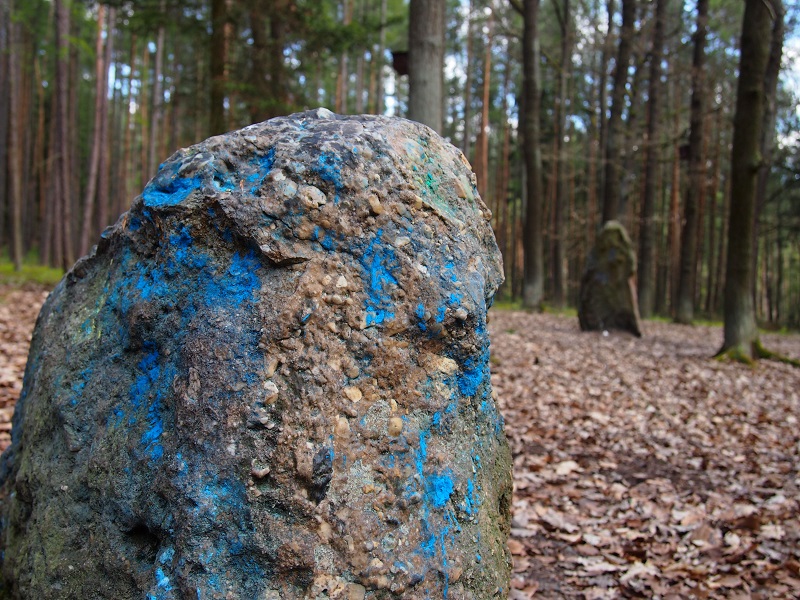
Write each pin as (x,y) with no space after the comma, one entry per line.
(642,467)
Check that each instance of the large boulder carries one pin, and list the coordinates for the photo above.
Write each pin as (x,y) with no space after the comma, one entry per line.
(607,297)
(270,379)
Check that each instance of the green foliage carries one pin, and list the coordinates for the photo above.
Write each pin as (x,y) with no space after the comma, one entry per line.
(32,272)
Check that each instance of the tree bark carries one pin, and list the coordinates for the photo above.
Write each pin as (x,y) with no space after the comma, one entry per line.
(426,62)
(482,146)
(5,19)
(533,247)
(466,142)
(770,114)
(64,248)
(561,160)
(611,195)
(218,64)
(101,85)
(740,331)
(608,47)
(157,116)
(105,135)
(15,148)
(646,271)
(379,92)
(684,309)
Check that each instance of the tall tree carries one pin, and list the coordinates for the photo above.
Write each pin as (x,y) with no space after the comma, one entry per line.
(63,240)
(533,244)
(426,62)
(741,334)
(218,64)
(684,309)
(15,142)
(157,116)
(615,134)
(561,158)
(5,14)
(646,271)
(100,105)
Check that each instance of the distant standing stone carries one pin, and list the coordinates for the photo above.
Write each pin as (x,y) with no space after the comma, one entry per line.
(608,287)
(270,380)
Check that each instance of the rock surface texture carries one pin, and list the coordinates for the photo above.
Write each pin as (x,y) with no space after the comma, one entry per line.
(608,288)
(270,380)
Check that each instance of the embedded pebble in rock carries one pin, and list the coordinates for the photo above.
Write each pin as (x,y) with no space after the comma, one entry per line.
(270,380)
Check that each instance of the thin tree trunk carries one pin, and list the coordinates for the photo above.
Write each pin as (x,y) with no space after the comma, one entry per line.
(379,93)
(157,116)
(713,192)
(684,310)
(767,143)
(63,219)
(466,142)
(611,196)
(646,283)
(533,277)
(342,87)
(740,331)
(426,62)
(482,149)
(127,141)
(675,194)
(103,171)
(217,65)
(101,85)
(15,150)
(144,116)
(5,109)
(39,159)
(608,47)
(561,160)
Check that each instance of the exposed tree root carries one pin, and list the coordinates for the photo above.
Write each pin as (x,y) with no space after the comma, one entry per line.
(741,353)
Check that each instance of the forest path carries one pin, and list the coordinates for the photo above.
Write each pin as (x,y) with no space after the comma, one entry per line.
(642,467)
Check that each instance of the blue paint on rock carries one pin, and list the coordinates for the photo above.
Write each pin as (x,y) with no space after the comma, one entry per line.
(380,263)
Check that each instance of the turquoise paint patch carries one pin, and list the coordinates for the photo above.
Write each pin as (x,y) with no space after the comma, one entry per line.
(380,262)
(439,488)
(167,190)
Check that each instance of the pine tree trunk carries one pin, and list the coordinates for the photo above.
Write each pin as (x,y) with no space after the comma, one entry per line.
(675,194)
(379,92)
(482,149)
(105,137)
(741,333)
(561,160)
(684,309)
(218,66)
(533,274)
(426,62)
(646,270)
(5,100)
(611,195)
(157,116)
(63,255)
(608,47)
(768,137)
(97,132)
(15,149)
(466,142)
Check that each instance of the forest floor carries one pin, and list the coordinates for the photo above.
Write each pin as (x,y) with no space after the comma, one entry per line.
(643,468)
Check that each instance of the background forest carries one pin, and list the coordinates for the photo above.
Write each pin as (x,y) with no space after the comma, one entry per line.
(96,95)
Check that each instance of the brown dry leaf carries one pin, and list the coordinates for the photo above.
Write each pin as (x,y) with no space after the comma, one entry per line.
(642,467)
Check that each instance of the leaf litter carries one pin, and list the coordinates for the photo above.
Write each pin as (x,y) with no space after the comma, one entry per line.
(642,467)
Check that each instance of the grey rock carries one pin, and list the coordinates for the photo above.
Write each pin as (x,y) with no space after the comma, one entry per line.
(270,379)
(607,297)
